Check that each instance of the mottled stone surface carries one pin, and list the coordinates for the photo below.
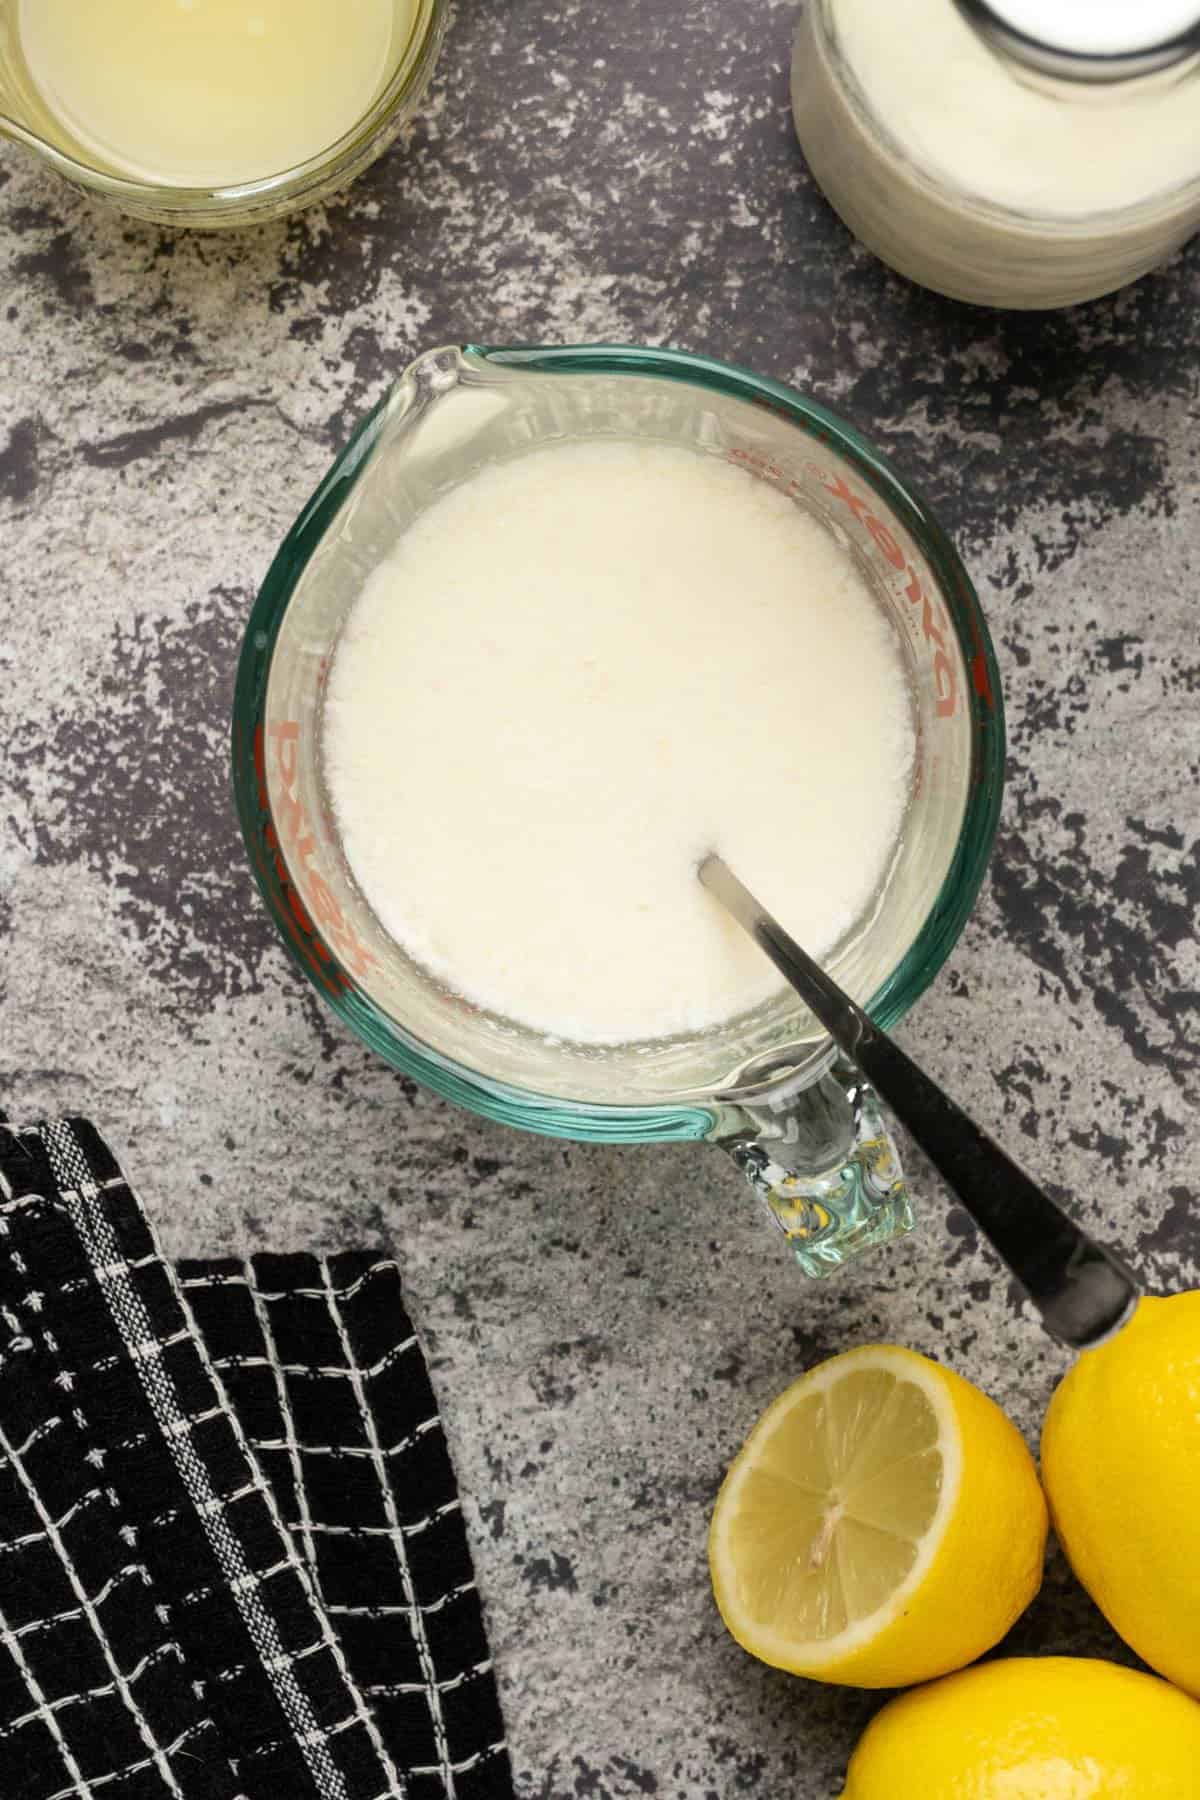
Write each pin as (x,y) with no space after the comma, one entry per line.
(605,1323)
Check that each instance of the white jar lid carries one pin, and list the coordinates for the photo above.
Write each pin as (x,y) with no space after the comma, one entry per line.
(1089,40)
(1099,27)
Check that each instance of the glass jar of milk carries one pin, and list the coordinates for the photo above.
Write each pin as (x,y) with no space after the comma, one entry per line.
(992,176)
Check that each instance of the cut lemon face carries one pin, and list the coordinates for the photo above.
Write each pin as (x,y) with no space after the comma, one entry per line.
(882,1524)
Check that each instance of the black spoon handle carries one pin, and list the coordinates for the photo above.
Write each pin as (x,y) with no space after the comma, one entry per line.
(1083,1291)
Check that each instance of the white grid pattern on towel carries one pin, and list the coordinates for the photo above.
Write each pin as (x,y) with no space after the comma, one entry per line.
(245,1278)
(446,1770)
(418,1687)
(101,1781)
(290,1444)
(391,1420)
(77,1612)
(45,1711)
(80,1195)
(370,1612)
(64,1519)
(121,1682)
(265,1362)
(318,1527)
(308,1530)
(262,1313)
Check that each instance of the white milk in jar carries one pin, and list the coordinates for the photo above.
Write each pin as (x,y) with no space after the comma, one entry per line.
(978,176)
(578,672)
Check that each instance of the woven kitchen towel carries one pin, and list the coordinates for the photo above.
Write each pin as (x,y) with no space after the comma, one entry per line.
(232,1561)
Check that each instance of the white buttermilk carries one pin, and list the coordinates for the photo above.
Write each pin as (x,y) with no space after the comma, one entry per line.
(578,672)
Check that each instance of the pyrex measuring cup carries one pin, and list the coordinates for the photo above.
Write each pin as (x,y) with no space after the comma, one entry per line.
(766,1086)
(27,120)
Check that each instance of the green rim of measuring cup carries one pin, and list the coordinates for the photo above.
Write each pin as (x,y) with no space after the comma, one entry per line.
(548,1114)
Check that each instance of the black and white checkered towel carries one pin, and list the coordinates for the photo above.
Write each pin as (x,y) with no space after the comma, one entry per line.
(232,1561)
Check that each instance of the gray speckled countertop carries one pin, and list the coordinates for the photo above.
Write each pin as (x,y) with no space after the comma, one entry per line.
(605,1324)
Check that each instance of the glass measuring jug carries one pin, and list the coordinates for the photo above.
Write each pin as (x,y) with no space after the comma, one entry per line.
(28,119)
(766,1086)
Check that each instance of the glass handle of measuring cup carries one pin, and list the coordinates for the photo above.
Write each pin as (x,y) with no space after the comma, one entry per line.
(823,1162)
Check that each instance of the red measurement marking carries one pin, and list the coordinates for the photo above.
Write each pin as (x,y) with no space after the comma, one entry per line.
(935,627)
(317,923)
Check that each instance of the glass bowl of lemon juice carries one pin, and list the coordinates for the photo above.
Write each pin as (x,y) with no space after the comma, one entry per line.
(213,113)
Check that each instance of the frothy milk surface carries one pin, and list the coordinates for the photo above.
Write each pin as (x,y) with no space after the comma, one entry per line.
(577,673)
(993,131)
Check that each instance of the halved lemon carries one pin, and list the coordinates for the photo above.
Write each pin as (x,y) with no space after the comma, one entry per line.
(882,1524)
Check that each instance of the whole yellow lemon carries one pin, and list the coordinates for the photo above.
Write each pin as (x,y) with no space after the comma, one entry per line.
(1121,1467)
(1032,1728)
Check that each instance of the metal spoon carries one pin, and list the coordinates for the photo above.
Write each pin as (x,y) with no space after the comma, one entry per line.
(1083,1291)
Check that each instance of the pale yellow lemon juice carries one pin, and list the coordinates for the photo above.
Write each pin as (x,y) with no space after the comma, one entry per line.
(209,93)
